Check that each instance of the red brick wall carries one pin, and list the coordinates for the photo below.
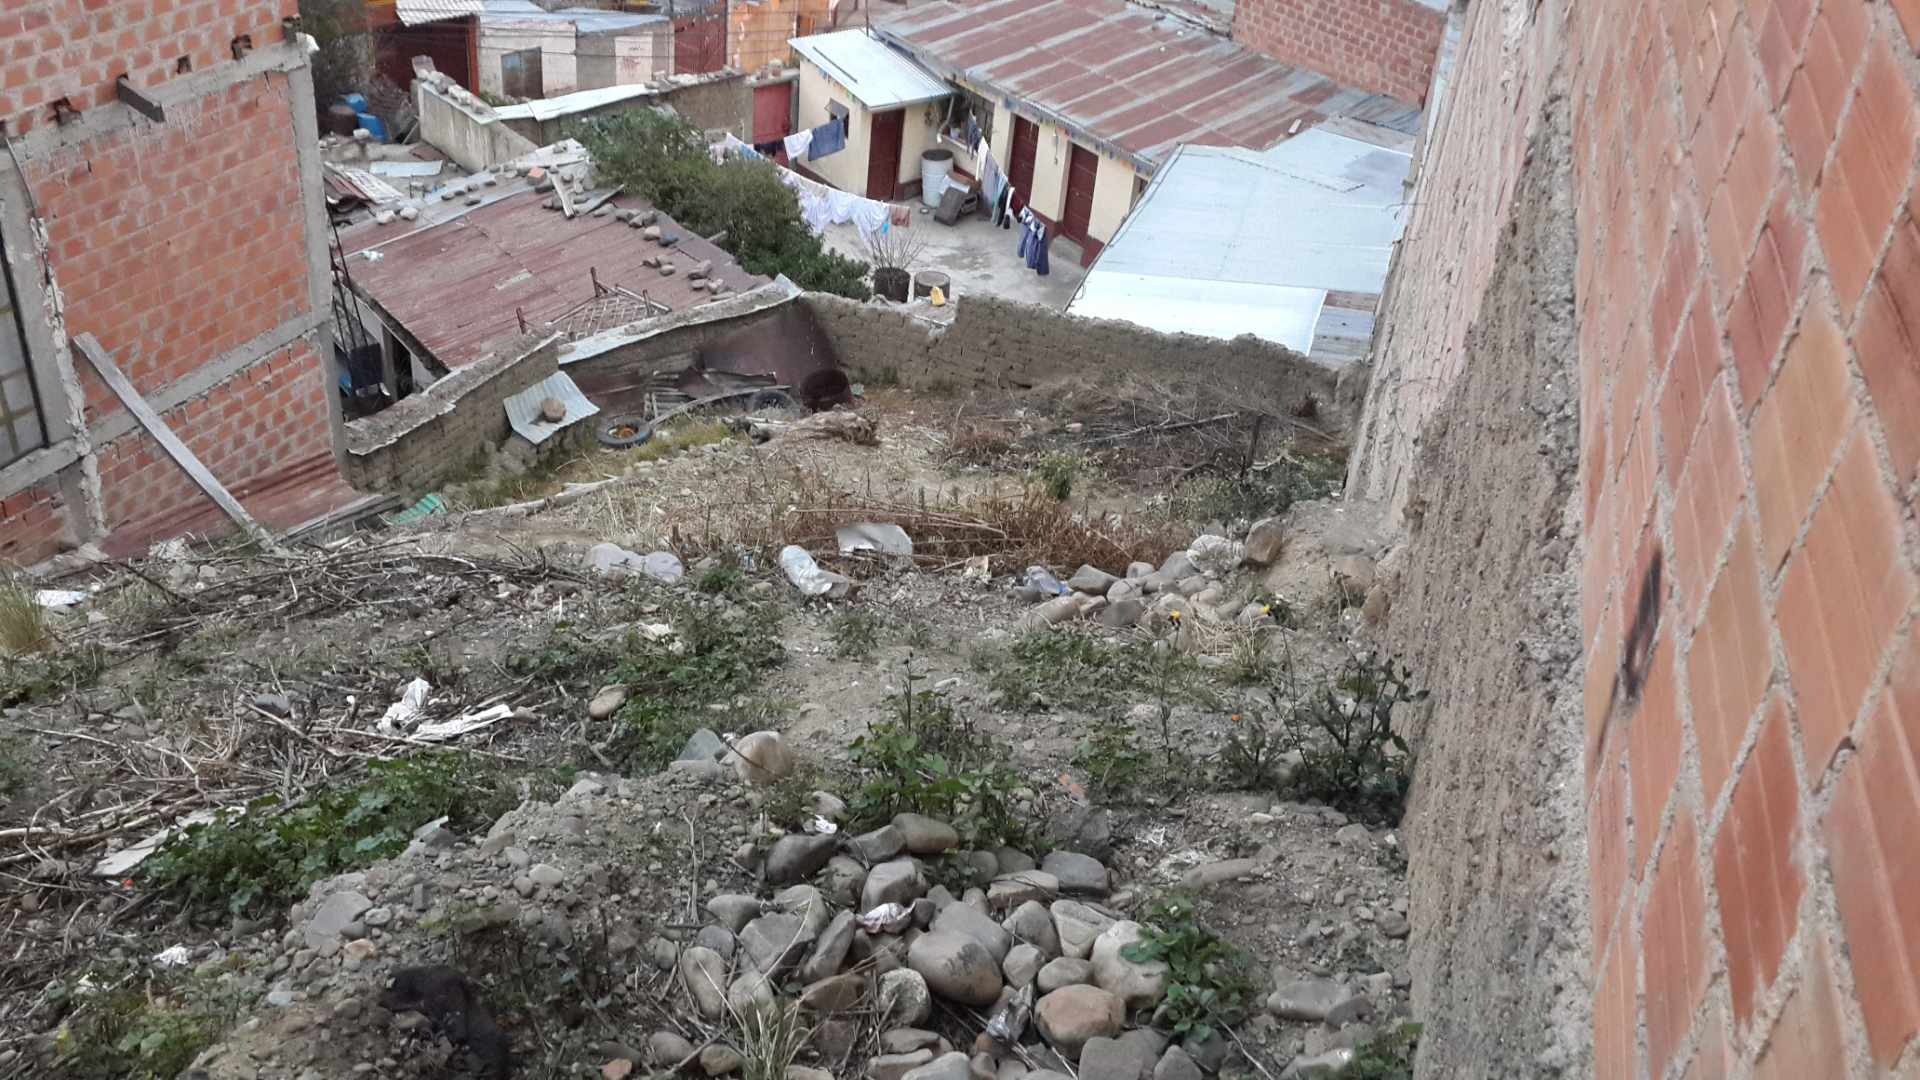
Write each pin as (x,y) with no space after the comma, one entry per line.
(1383,46)
(1749,306)
(75,49)
(35,524)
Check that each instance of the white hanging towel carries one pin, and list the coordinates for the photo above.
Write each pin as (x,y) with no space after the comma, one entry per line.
(797,144)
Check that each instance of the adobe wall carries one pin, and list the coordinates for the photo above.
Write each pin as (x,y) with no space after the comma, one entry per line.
(211,302)
(1381,46)
(1745,356)
(1001,343)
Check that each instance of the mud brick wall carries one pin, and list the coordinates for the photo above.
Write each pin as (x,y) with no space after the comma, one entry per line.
(999,343)
(1746,361)
(1383,46)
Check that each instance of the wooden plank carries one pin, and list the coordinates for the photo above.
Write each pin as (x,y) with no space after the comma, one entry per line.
(116,380)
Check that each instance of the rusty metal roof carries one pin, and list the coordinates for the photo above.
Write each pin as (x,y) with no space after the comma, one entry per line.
(1134,82)
(455,284)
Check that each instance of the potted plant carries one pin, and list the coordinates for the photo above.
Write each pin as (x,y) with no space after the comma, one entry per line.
(892,252)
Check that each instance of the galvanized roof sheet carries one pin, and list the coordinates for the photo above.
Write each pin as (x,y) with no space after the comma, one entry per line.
(523,408)
(417,12)
(879,75)
(1134,82)
(579,101)
(1228,241)
(455,283)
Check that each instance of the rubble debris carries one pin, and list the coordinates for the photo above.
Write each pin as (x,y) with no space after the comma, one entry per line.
(398,719)
(807,576)
(883,539)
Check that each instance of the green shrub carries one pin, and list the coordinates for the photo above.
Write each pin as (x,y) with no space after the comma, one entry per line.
(27,680)
(855,634)
(1387,1056)
(268,856)
(137,1030)
(1111,756)
(1043,668)
(1351,758)
(1209,982)
(664,160)
(711,657)
(928,760)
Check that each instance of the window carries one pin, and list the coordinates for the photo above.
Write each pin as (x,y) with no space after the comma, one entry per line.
(21,431)
(968,108)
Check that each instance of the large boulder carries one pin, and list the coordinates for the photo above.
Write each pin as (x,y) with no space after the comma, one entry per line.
(796,857)
(956,966)
(1072,1015)
(762,758)
(1136,982)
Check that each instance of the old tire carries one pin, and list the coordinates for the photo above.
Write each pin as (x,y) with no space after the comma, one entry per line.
(622,432)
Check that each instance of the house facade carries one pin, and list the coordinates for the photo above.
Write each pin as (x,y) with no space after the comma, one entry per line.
(526,52)
(209,301)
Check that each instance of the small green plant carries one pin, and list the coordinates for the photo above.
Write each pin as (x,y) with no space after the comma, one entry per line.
(927,760)
(685,435)
(266,857)
(567,657)
(16,770)
(1250,758)
(855,634)
(917,634)
(712,655)
(1387,1056)
(771,1040)
(1111,756)
(1298,476)
(1208,980)
(722,581)
(1063,668)
(27,680)
(138,1030)
(1056,474)
(1351,758)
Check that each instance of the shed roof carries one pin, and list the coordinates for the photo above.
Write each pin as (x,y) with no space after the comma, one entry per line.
(1131,81)
(544,109)
(417,12)
(583,20)
(881,76)
(454,284)
(1228,241)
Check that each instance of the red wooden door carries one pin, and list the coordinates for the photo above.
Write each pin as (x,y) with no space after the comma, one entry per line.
(1026,142)
(772,112)
(1082,167)
(883,153)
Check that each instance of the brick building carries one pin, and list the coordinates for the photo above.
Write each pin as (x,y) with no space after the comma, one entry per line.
(191,246)
(1383,46)
(1724,196)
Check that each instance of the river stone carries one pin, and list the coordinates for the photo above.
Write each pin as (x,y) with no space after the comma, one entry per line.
(905,998)
(667,1048)
(719,1059)
(1012,890)
(894,882)
(806,902)
(733,910)
(841,881)
(956,966)
(836,993)
(774,942)
(1031,923)
(1126,1058)
(1077,874)
(1091,579)
(336,914)
(1021,965)
(796,858)
(1063,971)
(761,758)
(905,1040)
(1012,861)
(879,845)
(751,995)
(1306,999)
(1176,1065)
(1137,983)
(1072,1015)
(923,835)
(607,702)
(705,975)
(1078,926)
(965,919)
(831,950)
(895,1066)
(1214,873)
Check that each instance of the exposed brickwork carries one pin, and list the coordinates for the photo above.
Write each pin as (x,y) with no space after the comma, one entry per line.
(1747,292)
(75,49)
(181,246)
(1383,46)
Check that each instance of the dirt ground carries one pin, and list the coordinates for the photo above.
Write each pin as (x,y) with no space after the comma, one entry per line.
(225,675)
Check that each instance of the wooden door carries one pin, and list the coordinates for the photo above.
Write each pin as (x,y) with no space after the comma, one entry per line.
(883,152)
(1082,168)
(772,112)
(1026,143)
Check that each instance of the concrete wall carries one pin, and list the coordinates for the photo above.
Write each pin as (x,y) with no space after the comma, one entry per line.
(1112,197)
(214,309)
(625,57)
(1051,151)
(846,170)
(473,137)
(1740,522)
(559,67)
(719,101)
(758,30)
(1384,46)
(1000,343)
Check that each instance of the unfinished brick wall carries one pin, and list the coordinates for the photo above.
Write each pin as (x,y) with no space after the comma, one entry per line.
(1383,46)
(36,523)
(75,49)
(1747,297)
(1749,291)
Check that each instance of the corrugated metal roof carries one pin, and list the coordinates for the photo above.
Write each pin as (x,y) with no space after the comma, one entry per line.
(1228,241)
(417,12)
(455,283)
(583,20)
(567,104)
(523,408)
(879,75)
(1129,81)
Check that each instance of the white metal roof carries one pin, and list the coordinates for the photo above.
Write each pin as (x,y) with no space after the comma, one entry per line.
(579,101)
(523,408)
(1228,241)
(879,75)
(416,12)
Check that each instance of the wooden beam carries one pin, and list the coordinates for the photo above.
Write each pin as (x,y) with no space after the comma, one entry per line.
(116,380)
(138,100)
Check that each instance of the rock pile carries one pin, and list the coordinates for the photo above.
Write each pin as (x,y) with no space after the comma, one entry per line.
(1193,582)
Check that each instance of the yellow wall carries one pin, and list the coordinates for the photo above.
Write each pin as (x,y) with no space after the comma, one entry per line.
(1050,154)
(846,170)
(1112,197)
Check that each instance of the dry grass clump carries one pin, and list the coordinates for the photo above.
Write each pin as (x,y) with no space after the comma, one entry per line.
(23,623)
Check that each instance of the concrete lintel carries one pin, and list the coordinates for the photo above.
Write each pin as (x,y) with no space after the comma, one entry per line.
(38,466)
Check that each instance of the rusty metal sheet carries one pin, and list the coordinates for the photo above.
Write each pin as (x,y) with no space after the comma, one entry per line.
(462,284)
(1125,78)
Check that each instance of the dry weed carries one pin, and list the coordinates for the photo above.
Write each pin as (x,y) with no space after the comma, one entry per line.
(23,625)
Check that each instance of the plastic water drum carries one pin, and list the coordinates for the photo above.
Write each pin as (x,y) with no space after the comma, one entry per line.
(935,166)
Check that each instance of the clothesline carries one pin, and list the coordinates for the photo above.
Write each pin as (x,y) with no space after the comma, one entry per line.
(820,205)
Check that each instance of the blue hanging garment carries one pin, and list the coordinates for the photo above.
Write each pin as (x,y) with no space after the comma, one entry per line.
(828,138)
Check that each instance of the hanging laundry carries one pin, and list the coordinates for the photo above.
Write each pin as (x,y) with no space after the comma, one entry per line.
(769,148)
(1037,250)
(828,138)
(902,216)
(1026,238)
(797,144)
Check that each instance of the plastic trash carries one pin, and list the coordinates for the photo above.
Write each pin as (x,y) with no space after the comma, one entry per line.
(59,598)
(1039,579)
(1010,1022)
(809,578)
(874,536)
(399,715)
(886,919)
